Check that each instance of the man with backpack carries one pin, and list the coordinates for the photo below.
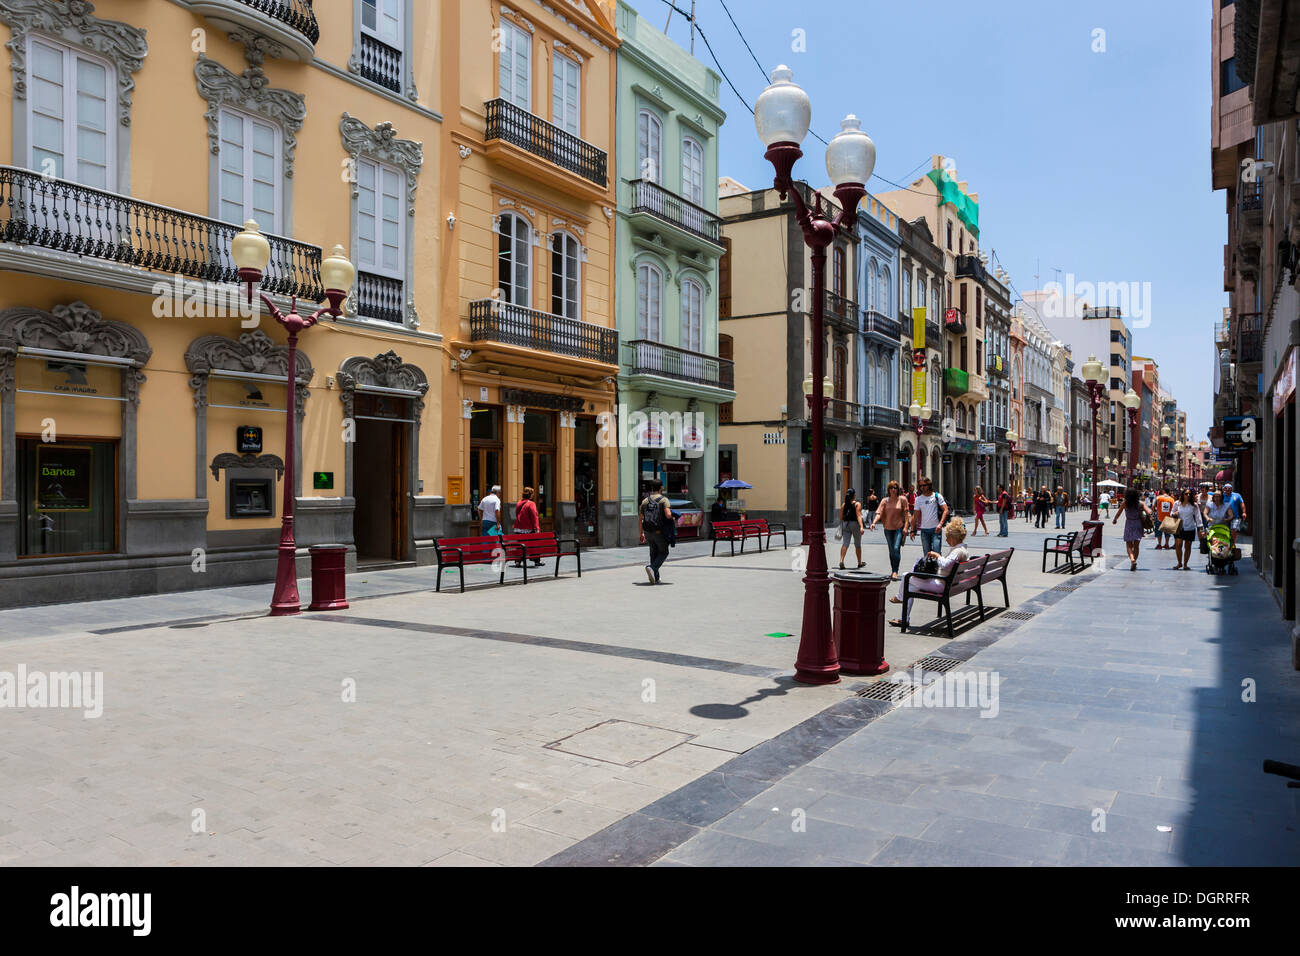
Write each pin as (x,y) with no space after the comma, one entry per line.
(929,513)
(657,528)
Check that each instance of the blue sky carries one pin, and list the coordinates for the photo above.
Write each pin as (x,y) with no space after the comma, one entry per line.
(1097,164)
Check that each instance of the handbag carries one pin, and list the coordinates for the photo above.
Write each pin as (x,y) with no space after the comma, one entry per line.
(1171,525)
(1147,522)
(926,565)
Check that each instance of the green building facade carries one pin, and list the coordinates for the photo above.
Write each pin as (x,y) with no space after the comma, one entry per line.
(673,376)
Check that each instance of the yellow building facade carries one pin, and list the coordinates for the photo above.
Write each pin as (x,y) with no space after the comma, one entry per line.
(527,299)
(142,401)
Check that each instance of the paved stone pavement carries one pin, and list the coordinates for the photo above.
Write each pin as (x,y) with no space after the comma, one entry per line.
(1132,719)
(498,726)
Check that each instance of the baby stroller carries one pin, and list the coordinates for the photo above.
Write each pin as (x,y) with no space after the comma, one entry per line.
(1223,556)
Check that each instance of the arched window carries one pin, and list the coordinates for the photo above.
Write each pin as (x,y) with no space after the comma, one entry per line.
(692,171)
(566,258)
(906,288)
(948,409)
(882,381)
(961,417)
(870,284)
(649,144)
(886,293)
(839,371)
(837,271)
(905,381)
(649,300)
(514,259)
(692,316)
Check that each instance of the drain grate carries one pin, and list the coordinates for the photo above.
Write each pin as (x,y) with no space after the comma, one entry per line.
(1017,615)
(1069,587)
(936,662)
(887,690)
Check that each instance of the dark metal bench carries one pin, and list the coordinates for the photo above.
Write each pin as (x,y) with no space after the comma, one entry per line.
(960,579)
(1089,544)
(995,569)
(544,544)
(482,549)
(1061,544)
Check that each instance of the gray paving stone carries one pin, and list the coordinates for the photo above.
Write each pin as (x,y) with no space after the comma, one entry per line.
(906,851)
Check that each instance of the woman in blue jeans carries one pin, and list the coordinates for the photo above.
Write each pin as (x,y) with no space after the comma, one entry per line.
(893,513)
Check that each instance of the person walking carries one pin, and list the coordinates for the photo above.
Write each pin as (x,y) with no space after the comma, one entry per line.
(928,512)
(1133,512)
(980,503)
(1238,504)
(1192,525)
(1219,511)
(489,511)
(911,497)
(1004,510)
(955,535)
(527,521)
(893,514)
(1044,503)
(871,502)
(654,517)
(1062,502)
(851,526)
(1164,507)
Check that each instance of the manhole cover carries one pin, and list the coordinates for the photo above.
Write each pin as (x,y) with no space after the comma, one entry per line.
(1017,615)
(620,741)
(936,663)
(887,690)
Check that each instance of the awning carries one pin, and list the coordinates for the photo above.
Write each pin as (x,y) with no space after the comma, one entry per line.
(1225,475)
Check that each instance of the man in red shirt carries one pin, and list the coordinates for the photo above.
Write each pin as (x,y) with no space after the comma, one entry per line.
(1004,510)
(1164,508)
(527,521)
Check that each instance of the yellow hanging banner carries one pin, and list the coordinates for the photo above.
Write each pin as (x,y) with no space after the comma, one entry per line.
(918,356)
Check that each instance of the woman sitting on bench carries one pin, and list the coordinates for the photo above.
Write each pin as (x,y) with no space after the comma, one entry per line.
(954,534)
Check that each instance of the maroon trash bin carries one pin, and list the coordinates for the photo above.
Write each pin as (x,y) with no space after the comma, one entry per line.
(329,564)
(859,628)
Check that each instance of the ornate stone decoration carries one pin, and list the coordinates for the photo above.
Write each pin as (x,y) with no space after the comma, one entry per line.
(382,144)
(257,47)
(228,459)
(573,25)
(250,91)
(252,352)
(75,22)
(519,18)
(383,371)
(464,151)
(72,328)
(568,50)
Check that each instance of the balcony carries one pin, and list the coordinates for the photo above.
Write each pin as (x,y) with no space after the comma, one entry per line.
(878,324)
(954,322)
(993,433)
(653,200)
(512,125)
(380,297)
(933,332)
(491,320)
(841,412)
(290,23)
(682,365)
(1250,338)
(840,313)
(956,382)
(1250,225)
(93,224)
(970,267)
(881,417)
(380,63)
(997,365)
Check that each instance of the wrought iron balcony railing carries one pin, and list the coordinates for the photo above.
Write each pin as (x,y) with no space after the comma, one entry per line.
(1250,196)
(995,433)
(380,297)
(655,358)
(289,24)
(840,312)
(879,416)
(881,324)
(971,267)
(496,321)
(997,365)
(68,217)
(380,63)
(1250,337)
(845,412)
(650,197)
(515,125)
(297,14)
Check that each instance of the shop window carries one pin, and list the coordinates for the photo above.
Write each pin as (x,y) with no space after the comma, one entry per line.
(67,497)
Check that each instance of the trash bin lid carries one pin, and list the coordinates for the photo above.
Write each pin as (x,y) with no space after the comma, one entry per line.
(327,547)
(859,577)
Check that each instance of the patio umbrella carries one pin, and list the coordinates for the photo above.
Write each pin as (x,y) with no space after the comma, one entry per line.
(1109,484)
(733,483)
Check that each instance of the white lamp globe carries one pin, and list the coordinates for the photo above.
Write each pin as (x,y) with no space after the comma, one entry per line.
(850,155)
(782,112)
(914,410)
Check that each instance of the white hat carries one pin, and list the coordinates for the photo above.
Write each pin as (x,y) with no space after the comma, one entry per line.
(1227,485)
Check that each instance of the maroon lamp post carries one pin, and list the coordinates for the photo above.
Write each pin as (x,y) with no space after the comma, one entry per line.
(1131,404)
(919,414)
(251,252)
(782,114)
(1092,372)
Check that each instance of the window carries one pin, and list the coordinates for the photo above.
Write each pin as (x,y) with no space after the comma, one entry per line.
(693,171)
(515,80)
(906,287)
(566,257)
(692,316)
(649,145)
(837,271)
(950,235)
(249,163)
(514,259)
(961,418)
(649,297)
(566,94)
(962,304)
(382,20)
(886,293)
(1229,81)
(70,119)
(839,370)
(381,214)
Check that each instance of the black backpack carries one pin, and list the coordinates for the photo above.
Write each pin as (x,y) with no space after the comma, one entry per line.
(652,513)
(848,512)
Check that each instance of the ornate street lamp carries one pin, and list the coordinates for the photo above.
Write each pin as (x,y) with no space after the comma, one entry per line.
(920,414)
(782,114)
(1012,438)
(1131,403)
(1092,372)
(1178,462)
(251,252)
(1164,454)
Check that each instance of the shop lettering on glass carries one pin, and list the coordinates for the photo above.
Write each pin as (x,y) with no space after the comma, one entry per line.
(63,478)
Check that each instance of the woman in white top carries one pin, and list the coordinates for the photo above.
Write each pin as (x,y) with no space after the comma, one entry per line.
(1186,509)
(1219,511)
(954,533)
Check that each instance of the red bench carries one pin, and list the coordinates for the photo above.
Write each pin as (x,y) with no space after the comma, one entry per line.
(1061,544)
(961,578)
(543,544)
(483,549)
(742,530)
